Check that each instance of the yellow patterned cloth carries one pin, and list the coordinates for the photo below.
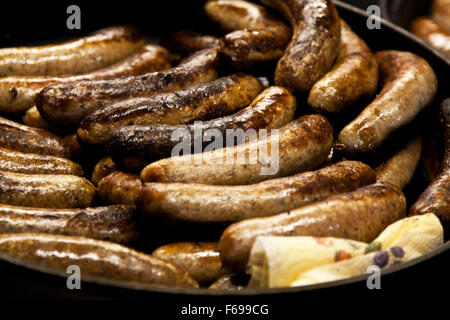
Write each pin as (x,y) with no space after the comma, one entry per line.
(296,261)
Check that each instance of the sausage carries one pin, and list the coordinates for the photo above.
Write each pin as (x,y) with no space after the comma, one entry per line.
(230,282)
(16,161)
(273,108)
(409,84)
(358,215)
(298,146)
(95,258)
(17,93)
(254,34)
(45,191)
(399,169)
(314,44)
(94,51)
(119,187)
(33,118)
(72,143)
(199,259)
(432,33)
(354,76)
(186,42)
(66,104)
(440,12)
(110,223)
(210,100)
(224,204)
(103,168)
(15,136)
(436,198)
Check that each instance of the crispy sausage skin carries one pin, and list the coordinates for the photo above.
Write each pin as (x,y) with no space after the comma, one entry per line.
(103,168)
(409,84)
(432,33)
(120,187)
(16,161)
(440,12)
(186,42)
(400,168)
(353,77)
(68,103)
(298,146)
(15,136)
(314,44)
(110,223)
(273,108)
(95,258)
(255,35)
(17,93)
(201,260)
(224,204)
(359,215)
(45,191)
(97,50)
(436,198)
(33,118)
(210,100)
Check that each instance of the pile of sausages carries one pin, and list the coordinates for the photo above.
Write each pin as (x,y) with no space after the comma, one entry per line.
(116,100)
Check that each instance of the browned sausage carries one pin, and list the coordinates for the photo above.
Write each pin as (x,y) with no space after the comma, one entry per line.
(45,191)
(225,204)
(17,93)
(359,215)
(432,33)
(200,259)
(187,42)
(255,35)
(273,108)
(68,103)
(440,12)
(76,150)
(95,258)
(15,136)
(436,198)
(119,187)
(97,50)
(16,161)
(111,223)
(210,100)
(353,77)
(102,169)
(33,118)
(230,282)
(314,44)
(298,146)
(409,84)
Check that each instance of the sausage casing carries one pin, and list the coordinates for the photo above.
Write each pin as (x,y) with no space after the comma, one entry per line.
(119,187)
(432,33)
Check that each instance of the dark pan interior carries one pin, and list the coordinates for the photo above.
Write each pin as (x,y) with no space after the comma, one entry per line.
(402,12)
(23,282)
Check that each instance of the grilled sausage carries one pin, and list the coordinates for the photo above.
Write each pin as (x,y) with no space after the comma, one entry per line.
(16,161)
(436,198)
(102,169)
(95,258)
(359,215)
(409,84)
(225,204)
(76,150)
(440,12)
(273,108)
(45,191)
(33,118)
(17,93)
(298,146)
(230,282)
(111,223)
(68,103)
(97,50)
(200,259)
(187,42)
(210,100)
(353,77)
(432,33)
(15,136)
(255,35)
(399,169)
(119,187)
(314,44)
